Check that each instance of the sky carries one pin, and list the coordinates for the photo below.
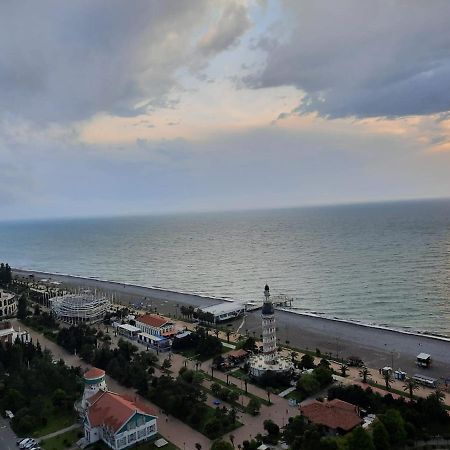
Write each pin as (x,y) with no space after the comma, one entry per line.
(110,107)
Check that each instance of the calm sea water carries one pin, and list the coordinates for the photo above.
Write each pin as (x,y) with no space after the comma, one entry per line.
(380,263)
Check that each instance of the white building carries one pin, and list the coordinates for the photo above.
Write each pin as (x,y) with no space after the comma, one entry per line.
(8,304)
(225,311)
(118,421)
(9,335)
(78,308)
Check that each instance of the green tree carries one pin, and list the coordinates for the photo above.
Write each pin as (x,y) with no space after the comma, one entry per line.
(22,307)
(307,362)
(410,386)
(308,384)
(360,439)
(395,426)
(364,374)
(380,436)
(253,407)
(271,427)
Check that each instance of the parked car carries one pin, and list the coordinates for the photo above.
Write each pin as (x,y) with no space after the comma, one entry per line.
(9,414)
(24,441)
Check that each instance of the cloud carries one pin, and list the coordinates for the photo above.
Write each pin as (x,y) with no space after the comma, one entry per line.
(67,61)
(361,58)
(230,26)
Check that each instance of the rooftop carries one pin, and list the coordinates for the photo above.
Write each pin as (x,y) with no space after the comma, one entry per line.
(114,410)
(223,308)
(335,414)
(153,320)
(93,373)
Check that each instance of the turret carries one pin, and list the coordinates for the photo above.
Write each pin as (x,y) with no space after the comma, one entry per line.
(94,381)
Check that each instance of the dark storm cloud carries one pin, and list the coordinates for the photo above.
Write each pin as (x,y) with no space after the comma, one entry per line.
(362,58)
(63,61)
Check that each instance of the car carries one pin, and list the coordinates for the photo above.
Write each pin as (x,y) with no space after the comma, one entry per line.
(9,414)
(22,442)
(28,444)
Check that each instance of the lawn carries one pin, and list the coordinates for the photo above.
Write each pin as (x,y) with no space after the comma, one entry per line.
(56,422)
(62,441)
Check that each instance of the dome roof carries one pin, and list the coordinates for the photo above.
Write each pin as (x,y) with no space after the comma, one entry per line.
(94,373)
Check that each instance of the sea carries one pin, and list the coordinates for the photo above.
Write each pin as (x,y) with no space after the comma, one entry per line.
(381,263)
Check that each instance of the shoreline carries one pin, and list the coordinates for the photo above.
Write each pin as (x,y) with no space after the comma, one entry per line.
(379,345)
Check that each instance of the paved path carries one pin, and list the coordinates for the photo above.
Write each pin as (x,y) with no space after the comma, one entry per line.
(8,438)
(75,426)
(171,428)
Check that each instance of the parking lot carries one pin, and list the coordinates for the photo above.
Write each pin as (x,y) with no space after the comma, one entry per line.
(7,436)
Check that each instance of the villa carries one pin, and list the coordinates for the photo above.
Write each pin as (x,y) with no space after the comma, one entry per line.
(156,325)
(118,421)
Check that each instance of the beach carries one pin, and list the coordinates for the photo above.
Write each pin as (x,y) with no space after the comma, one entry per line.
(376,346)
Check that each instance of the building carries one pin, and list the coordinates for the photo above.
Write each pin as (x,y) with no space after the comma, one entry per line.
(269,359)
(337,416)
(79,308)
(8,334)
(8,304)
(118,421)
(127,330)
(225,311)
(156,325)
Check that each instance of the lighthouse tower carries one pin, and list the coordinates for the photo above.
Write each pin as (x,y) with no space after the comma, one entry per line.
(94,381)
(268,329)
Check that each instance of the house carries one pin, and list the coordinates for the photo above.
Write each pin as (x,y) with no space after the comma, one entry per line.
(236,357)
(338,416)
(117,421)
(9,335)
(156,325)
(8,304)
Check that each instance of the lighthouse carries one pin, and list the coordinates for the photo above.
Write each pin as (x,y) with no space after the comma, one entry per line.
(269,359)
(268,329)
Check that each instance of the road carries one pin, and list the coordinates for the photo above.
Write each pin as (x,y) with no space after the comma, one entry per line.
(8,438)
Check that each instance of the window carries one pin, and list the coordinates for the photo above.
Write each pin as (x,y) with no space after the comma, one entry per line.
(132,437)
(141,433)
(121,442)
(150,429)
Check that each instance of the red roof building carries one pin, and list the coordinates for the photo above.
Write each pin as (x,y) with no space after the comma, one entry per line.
(155,325)
(338,416)
(117,420)
(94,373)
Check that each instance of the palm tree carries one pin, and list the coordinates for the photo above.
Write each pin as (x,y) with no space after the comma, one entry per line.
(387,379)
(232,439)
(410,386)
(364,374)
(294,357)
(343,370)
(246,379)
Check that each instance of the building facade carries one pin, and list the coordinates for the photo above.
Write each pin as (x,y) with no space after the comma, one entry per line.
(8,304)
(155,325)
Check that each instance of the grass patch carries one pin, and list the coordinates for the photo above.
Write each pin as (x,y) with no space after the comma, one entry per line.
(63,441)
(56,422)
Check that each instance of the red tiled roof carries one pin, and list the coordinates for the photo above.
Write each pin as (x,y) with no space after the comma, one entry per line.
(114,410)
(238,353)
(153,320)
(94,373)
(333,414)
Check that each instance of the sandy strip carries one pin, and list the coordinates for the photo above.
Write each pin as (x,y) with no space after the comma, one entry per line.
(377,346)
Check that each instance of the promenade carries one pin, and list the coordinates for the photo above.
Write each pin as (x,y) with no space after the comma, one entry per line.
(378,347)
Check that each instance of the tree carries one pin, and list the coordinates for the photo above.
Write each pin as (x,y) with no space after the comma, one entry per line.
(271,427)
(380,436)
(343,368)
(231,436)
(22,307)
(364,374)
(253,407)
(308,384)
(198,446)
(410,386)
(307,362)
(360,439)
(395,426)
(387,379)
(166,365)
(269,390)
(220,444)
